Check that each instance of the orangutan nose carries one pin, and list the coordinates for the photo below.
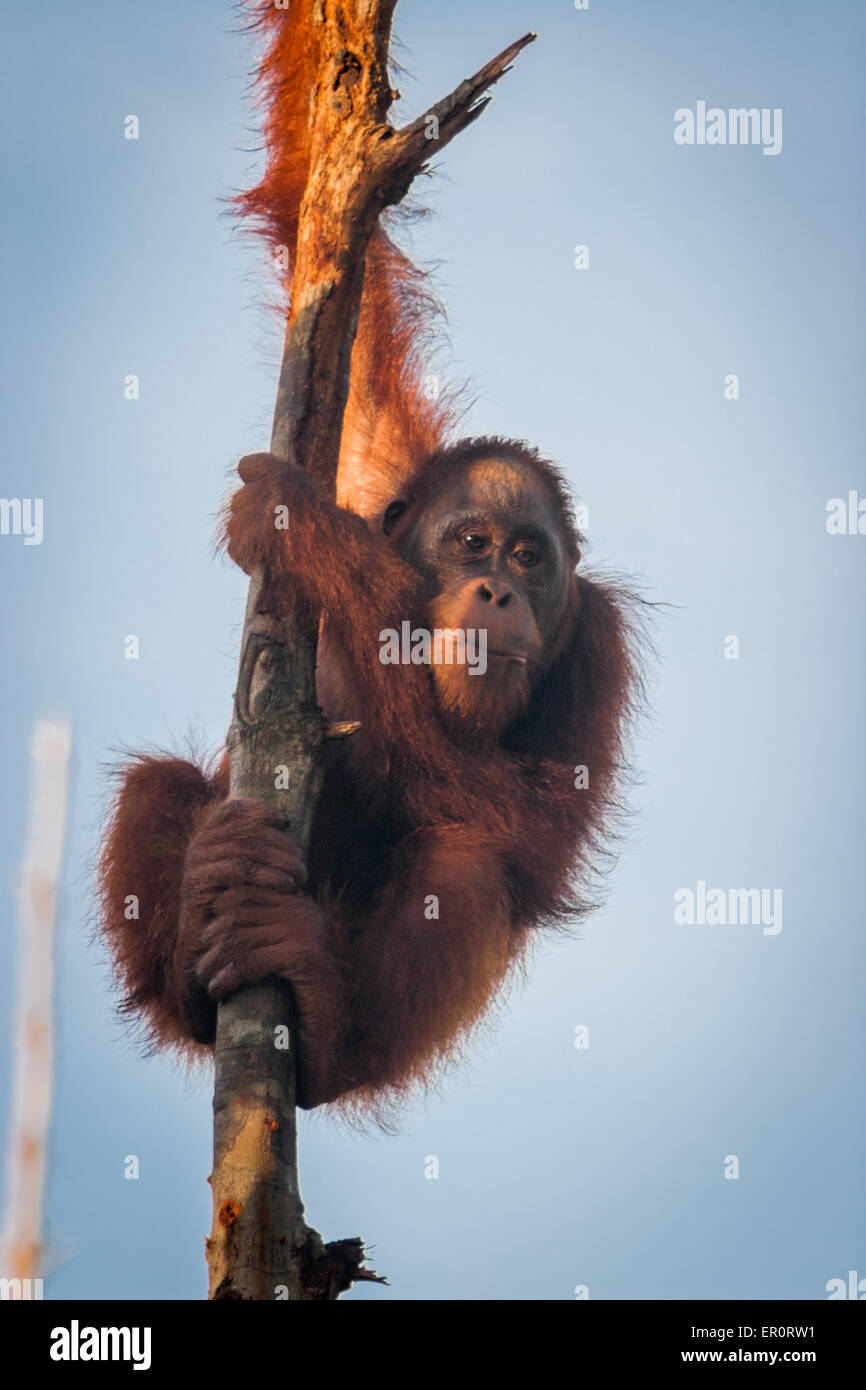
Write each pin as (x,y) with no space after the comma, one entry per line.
(496,592)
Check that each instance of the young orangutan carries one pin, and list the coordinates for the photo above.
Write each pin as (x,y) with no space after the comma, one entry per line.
(452,824)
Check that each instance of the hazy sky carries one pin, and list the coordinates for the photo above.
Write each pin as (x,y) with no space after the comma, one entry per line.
(558,1167)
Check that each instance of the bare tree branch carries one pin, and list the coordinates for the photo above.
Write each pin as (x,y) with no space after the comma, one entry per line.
(260,1246)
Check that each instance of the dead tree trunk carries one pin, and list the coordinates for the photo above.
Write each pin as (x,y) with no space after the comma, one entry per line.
(260,1246)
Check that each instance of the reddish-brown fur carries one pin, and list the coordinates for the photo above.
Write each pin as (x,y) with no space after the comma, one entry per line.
(413,806)
(391,422)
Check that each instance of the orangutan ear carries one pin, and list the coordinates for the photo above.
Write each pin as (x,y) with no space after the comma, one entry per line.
(393,513)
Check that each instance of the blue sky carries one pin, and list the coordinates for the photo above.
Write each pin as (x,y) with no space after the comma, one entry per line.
(558,1167)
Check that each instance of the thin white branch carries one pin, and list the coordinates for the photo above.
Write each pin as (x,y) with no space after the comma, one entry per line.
(33,1063)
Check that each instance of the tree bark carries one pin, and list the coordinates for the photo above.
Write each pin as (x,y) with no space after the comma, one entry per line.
(260,1246)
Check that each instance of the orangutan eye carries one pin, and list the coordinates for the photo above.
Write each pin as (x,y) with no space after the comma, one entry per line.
(526,555)
(474,541)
